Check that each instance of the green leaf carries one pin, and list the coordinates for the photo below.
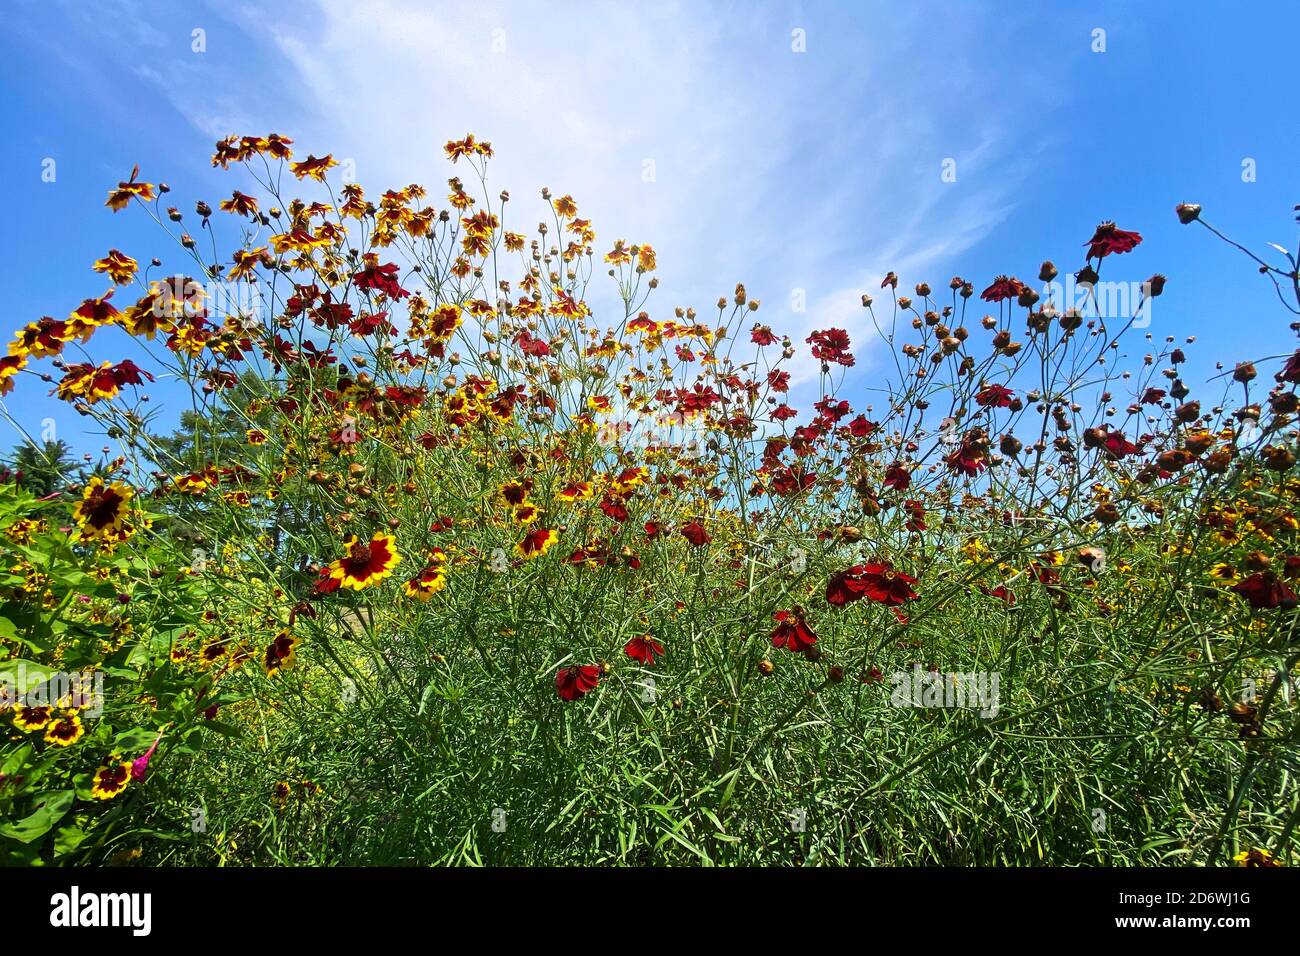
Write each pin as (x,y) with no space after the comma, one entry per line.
(51,808)
(23,675)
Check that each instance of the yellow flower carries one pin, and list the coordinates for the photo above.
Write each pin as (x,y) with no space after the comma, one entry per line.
(65,731)
(110,780)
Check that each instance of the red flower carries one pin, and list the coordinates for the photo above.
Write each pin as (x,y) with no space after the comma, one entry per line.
(1118,446)
(783,413)
(876,580)
(572,682)
(643,649)
(762,335)
(1001,591)
(1291,373)
(1266,591)
(380,279)
(967,459)
(694,533)
(1003,287)
(861,427)
(997,396)
(1153,396)
(1108,238)
(831,345)
(614,509)
(652,529)
(897,477)
(792,631)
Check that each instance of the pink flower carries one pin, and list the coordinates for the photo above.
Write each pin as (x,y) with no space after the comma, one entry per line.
(140,765)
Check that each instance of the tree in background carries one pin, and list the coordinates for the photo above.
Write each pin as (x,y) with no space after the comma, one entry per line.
(43,469)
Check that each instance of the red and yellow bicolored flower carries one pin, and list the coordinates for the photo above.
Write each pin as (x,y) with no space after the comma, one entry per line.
(103,510)
(427,583)
(367,563)
(536,543)
(280,653)
(33,718)
(120,267)
(110,780)
(65,730)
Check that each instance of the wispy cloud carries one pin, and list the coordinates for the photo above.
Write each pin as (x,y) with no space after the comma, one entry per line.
(742,149)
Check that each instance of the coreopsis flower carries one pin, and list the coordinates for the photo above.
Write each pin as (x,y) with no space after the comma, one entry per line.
(573,682)
(628,480)
(1109,238)
(96,384)
(64,731)
(565,207)
(119,198)
(366,564)
(620,255)
(970,457)
(313,167)
(1264,590)
(90,315)
(831,345)
(427,583)
(380,278)
(33,718)
(577,491)
(120,267)
(778,380)
(897,477)
(468,146)
(792,631)
(1003,287)
(877,581)
(280,653)
(1255,858)
(536,543)
(515,493)
(695,533)
(1001,592)
(103,509)
(994,396)
(240,204)
(111,780)
(644,649)
(525,514)
(10,365)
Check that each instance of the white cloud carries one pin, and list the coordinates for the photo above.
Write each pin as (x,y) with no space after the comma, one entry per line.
(816,170)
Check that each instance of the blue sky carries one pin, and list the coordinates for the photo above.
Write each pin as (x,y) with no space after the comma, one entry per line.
(817,170)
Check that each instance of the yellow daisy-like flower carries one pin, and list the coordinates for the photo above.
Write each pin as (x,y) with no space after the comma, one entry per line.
(110,780)
(526,513)
(65,731)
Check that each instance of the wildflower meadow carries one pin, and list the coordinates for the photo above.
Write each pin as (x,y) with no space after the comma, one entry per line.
(443,565)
